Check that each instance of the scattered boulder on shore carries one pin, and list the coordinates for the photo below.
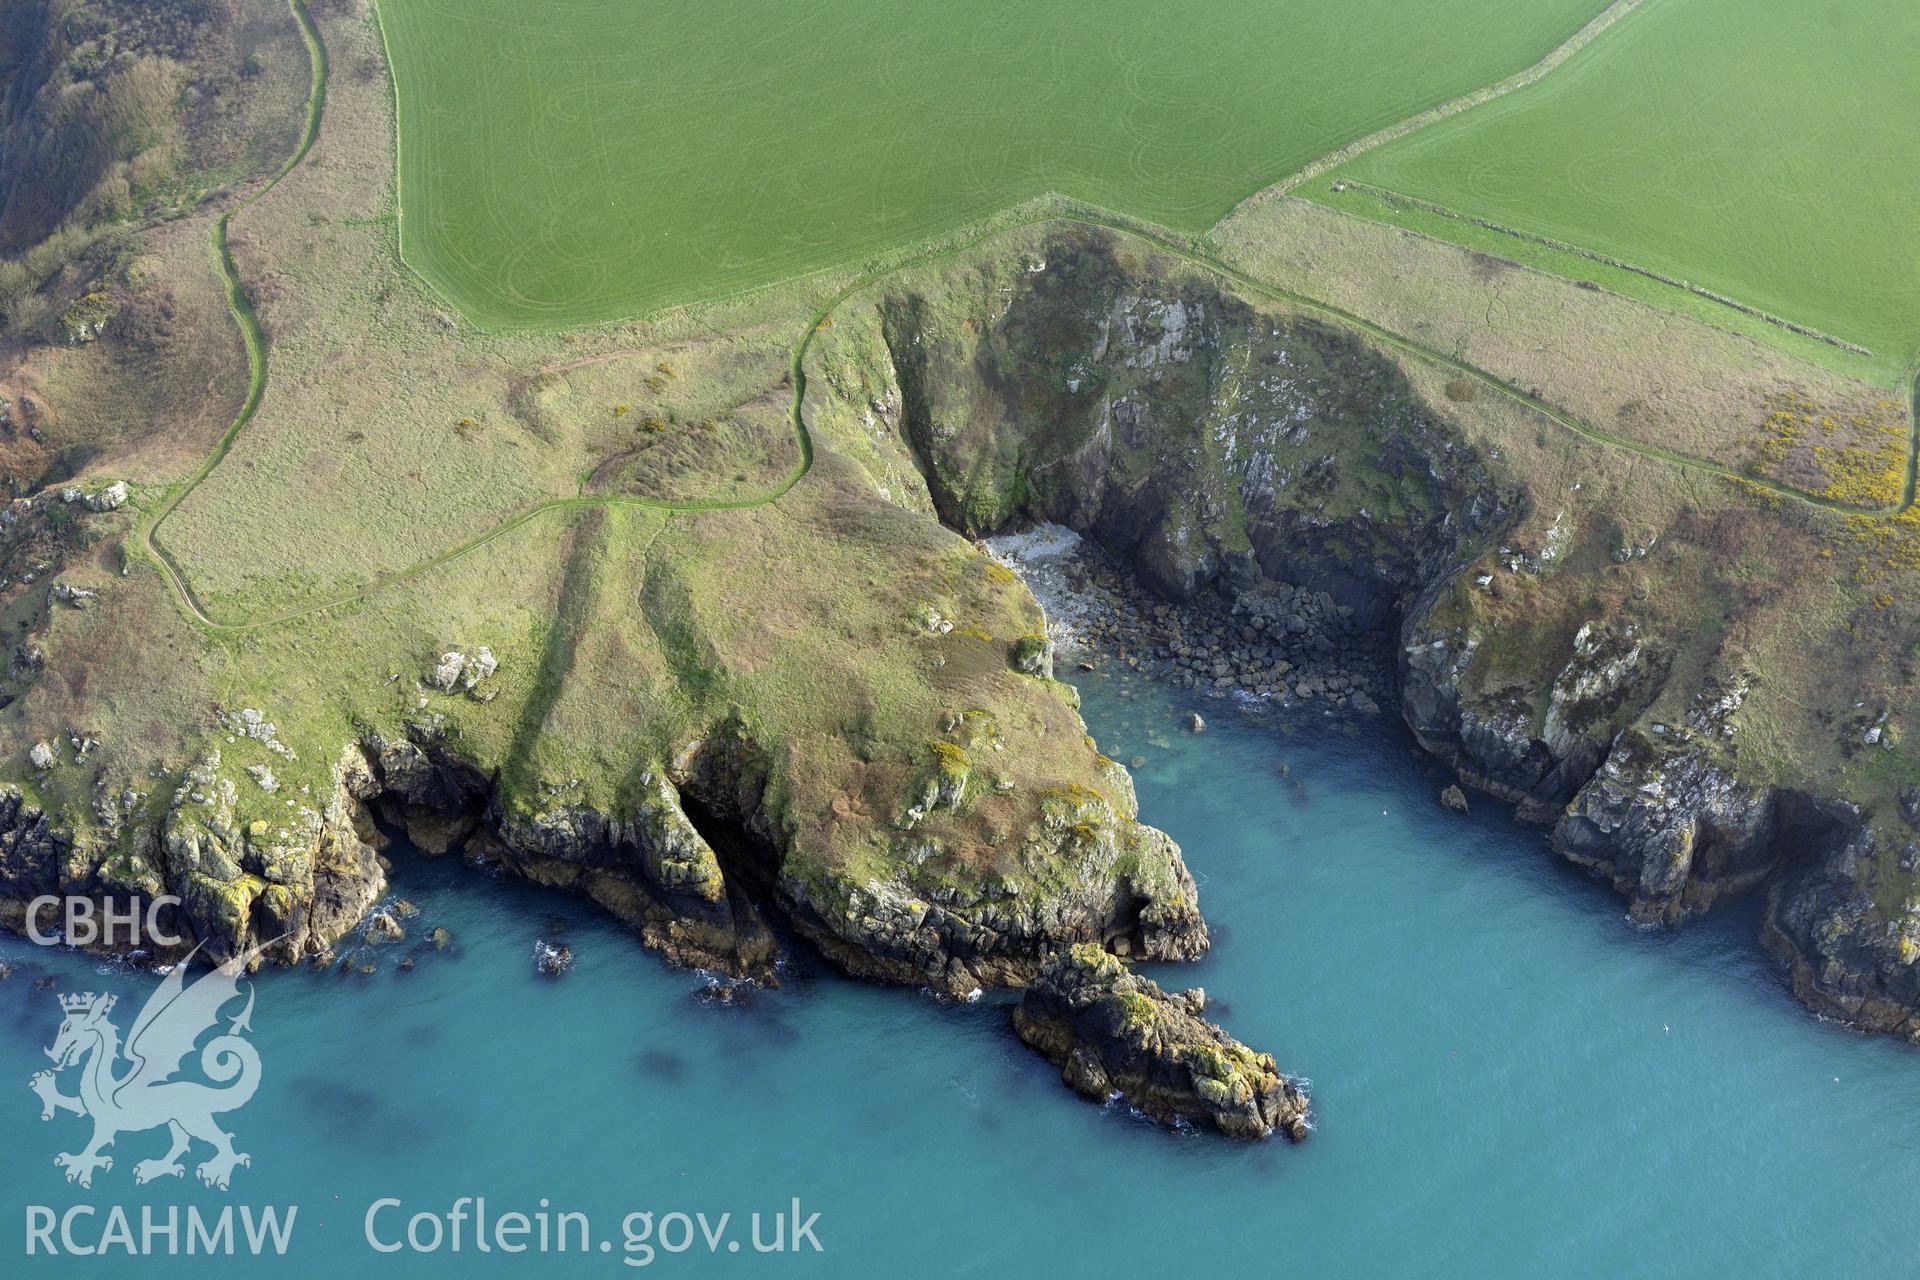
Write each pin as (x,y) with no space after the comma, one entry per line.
(1195,724)
(1112,1031)
(1454,798)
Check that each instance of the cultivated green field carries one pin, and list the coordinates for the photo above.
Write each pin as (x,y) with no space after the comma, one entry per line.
(1762,149)
(584,160)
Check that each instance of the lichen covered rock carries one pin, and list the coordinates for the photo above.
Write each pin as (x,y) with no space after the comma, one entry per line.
(1668,822)
(1111,1031)
(1847,956)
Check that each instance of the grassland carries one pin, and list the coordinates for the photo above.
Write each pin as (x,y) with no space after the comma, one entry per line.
(636,521)
(1708,386)
(576,162)
(1758,149)
(627,620)
(496,429)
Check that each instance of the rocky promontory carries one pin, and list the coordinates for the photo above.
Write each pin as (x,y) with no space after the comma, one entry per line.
(1112,1032)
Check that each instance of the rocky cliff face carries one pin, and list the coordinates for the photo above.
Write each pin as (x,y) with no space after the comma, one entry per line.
(704,893)
(1210,443)
(649,866)
(1670,824)
(1219,448)
(287,888)
(1654,804)
(1851,956)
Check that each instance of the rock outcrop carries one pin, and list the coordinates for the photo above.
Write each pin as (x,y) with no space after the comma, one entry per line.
(288,888)
(1128,891)
(1113,1032)
(1668,823)
(650,867)
(1849,957)
(1211,444)
(1488,736)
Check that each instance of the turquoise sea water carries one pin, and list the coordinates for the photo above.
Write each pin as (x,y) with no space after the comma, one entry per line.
(1508,1080)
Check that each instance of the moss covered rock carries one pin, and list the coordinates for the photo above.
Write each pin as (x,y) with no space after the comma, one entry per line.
(1111,1031)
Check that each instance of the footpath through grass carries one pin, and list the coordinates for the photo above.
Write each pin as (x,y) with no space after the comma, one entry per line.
(578,161)
(1761,149)
(1183,248)
(252,336)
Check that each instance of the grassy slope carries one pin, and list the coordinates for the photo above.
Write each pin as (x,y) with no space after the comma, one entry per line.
(1754,148)
(1649,374)
(341,481)
(570,163)
(164,376)
(623,633)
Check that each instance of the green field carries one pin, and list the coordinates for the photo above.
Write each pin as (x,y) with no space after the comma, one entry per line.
(577,161)
(1762,149)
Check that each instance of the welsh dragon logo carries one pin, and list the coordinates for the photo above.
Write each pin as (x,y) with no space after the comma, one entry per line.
(144,1095)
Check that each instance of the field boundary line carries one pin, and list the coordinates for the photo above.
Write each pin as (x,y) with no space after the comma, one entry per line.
(796,369)
(254,337)
(1595,28)
(1397,199)
(399,217)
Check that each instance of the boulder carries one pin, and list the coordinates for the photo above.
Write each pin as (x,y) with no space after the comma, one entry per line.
(1454,798)
(479,667)
(77,597)
(552,958)
(459,672)
(446,672)
(111,498)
